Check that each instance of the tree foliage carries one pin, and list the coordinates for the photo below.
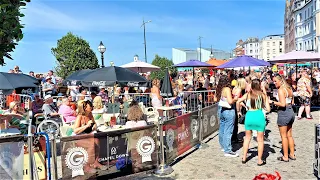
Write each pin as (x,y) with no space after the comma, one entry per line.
(162,62)
(72,54)
(10,26)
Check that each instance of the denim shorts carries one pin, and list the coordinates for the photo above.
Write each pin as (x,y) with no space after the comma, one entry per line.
(304,100)
(286,116)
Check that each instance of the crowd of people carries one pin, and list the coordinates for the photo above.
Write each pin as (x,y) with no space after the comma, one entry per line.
(253,96)
(239,93)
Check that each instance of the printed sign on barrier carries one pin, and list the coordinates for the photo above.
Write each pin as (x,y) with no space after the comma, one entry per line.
(92,155)
(210,120)
(11,160)
(39,152)
(182,133)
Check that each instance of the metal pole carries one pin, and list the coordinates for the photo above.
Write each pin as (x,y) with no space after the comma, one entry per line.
(201,145)
(145,41)
(30,149)
(163,169)
(200,46)
(54,156)
(102,60)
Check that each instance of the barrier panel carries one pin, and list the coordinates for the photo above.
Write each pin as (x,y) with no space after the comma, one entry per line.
(14,158)
(92,155)
(39,153)
(182,133)
(11,157)
(210,120)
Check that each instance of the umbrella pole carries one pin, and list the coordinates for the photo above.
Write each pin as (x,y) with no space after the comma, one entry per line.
(296,69)
(193,76)
(114,87)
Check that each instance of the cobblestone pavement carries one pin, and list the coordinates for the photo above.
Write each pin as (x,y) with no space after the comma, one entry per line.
(210,163)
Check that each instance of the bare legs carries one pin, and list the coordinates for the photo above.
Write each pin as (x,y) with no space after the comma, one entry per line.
(301,109)
(287,141)
(246,142)
(260,139)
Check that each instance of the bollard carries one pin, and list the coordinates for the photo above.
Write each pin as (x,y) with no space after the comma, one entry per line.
(54,155)
(163,169)
(201,145)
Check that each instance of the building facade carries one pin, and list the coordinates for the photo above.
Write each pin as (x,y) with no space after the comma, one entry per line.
(305,25)
(180,55)
(251,47)
(239,50)
(289,27)
(317,23)
(271,46)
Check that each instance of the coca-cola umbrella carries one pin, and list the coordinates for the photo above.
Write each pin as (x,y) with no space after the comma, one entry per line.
(11,81)
(73,79)
(109,76)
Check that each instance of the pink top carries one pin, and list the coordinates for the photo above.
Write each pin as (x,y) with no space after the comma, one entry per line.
(133,124)
(67,113)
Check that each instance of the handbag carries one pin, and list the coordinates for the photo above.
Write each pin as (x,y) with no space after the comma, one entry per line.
(224,104)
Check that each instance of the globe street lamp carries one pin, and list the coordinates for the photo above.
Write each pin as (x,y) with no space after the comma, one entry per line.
(102,49)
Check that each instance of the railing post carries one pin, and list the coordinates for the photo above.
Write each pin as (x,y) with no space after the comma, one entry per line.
(201,145)
(54,155)
(30,149)
(162,169)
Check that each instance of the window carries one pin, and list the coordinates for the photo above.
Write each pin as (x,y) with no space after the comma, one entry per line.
(273,51)
(300,46)
(305,14)
(250,51)
(280,43)
(280,50)
(274,43)
(268,50)
(250,45)
(267,44)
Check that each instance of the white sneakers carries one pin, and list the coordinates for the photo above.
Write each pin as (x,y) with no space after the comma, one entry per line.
(231,154)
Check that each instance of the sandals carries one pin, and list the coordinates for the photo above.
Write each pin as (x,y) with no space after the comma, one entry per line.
(281,159)
(292,158)
(244,161)
(263,163)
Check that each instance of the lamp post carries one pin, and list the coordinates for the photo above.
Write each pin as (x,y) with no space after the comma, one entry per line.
(200,46)
(144,36)
(211,54)
(102,49)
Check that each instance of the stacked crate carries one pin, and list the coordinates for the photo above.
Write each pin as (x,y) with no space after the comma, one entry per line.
(316,165)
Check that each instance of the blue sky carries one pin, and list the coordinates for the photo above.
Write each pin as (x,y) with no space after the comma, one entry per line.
(177,23)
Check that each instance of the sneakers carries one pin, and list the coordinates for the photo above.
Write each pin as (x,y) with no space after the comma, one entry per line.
(231,154)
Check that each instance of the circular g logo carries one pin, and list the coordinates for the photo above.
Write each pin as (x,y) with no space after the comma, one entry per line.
(76,158)
(145,147)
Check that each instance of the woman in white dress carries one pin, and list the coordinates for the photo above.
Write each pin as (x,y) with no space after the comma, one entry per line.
(156,99)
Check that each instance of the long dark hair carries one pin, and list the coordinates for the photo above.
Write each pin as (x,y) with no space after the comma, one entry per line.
(256,94)
(224,81)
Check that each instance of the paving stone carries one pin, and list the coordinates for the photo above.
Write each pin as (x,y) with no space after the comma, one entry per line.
(212,163)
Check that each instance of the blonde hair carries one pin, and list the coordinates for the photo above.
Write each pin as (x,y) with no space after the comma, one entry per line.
(156,82)
(13,104)
(241,83)
(97,102)
(135,113)
(283,81)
